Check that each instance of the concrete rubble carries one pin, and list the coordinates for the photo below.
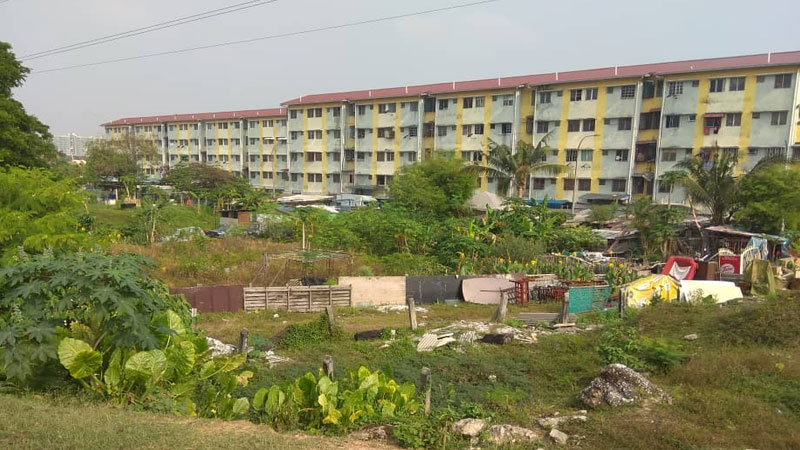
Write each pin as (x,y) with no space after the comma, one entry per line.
(372,433)
(480,329)
(559,437)
(219,348)
(618,385)
(555,421)
(510,434)
(397,308)
(469,427)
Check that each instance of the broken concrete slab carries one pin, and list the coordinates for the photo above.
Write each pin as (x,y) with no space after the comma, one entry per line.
(559,437)
(510,434)
(469,427)
(427,343)
(617,385)
(690,337)
(556,421)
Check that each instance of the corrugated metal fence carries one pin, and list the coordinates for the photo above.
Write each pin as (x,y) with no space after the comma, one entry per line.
(296,298)
(213,298)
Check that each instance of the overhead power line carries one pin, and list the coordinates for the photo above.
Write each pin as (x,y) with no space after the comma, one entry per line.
(273,36)
(148,29)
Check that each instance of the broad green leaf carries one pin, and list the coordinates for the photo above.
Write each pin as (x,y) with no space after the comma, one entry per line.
(68,348)
(370,385)
(232,362)
(275,400)
(184,389)
(113,375)
(180,358)
(148,365)
(363,372)
(387,408)
(240,406)
(208,369)
(260,398)
(328,387)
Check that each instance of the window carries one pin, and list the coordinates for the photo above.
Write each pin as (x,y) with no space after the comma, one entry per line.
(362,109)
(692,117)
(716,85)
(428,129)
(695,83)
(383,180)
(477,129)
(253,141)
(731,152)
(235,125)
(542,126)
(236,141)
(575,95)
(569,184)
(572,155)
(588,124)
(467,102)
(652,89)
(223,141)
(673,121)
(650,120)
(783,81)
(756,115)
(736,84)
(252,124)
(621,155)
(479,102)
(675,88)
(337,134)
(508,100)
(544,97)
(760,78)
(223,126)
(441,131)
(443,104)
(573,126)
(172,128)
(266,158)
(778,118)
(624,123)
(628,91)
(413,106)
(362,133)
(385,108)
(385,156)
(591,94)
(538,184)
(584,184)
(429,104)
(281,122)
(315,134)
(412,131)
(669,155)
(586,155)
(314,177)
(733,119)
(506,129)
(466,130)
(269,141)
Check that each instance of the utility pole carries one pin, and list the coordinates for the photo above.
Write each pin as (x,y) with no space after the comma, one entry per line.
(575,171)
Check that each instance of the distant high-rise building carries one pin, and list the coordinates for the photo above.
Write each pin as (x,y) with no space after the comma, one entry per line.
(73,146)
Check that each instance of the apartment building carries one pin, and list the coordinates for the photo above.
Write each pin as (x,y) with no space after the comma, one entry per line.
(72,146)
(617,129)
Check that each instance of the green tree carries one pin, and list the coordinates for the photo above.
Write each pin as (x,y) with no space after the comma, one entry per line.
(206,182)
(603,213)
(713,183)
(672,178)
(119,161)
(513,169)
(654,223)
(24,140)
(38,211)
(770,200)
(436,186)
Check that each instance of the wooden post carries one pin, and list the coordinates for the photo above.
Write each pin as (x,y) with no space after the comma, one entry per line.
(330,295)
(425,386)
(500,313)
(327,366)
(243,341)
(412,312)
(288,294)
(309,299)
(329,315)
(565,309)
(623,301)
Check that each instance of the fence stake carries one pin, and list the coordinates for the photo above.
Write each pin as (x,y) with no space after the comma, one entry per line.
(309,299)
(329,315)
(330,295)
(565,309)
(243,341)
(327,366)
(412,312)
(425,386)
(288,294)
(500,313)
(623,300)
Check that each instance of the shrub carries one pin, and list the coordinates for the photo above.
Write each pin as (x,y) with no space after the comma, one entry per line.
(310,333)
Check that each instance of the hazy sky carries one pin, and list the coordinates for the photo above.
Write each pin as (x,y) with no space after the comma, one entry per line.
(508,37)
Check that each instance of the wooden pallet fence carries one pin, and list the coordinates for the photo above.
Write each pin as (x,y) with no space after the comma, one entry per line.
(296,298)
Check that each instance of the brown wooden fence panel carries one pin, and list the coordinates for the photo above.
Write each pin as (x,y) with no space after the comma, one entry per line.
(213,298)
(296,298)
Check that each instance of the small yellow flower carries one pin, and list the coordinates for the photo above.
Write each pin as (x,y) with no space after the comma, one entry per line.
(83,228)
(501,260)
(574,253)
(533,262)
(119,235)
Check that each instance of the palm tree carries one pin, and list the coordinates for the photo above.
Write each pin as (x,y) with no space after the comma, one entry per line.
(712,182)
(671,178)
(514,169)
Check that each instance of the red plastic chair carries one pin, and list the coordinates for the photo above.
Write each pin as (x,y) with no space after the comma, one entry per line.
(682,262)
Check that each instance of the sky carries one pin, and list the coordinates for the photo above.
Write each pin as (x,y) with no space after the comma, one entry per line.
(502,38)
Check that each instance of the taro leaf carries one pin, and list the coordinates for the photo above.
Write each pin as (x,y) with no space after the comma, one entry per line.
(370,385)
(146,365)
(113,375)
(168,323)
(387,408)
(328,387)
(184,389)
(332,415)
(275,400)
(200,346)
(180,358)
(307,384)
(231,363)
(363,372)
(260,398)
(240,406)
(78,357)
(208,369)
(243,378)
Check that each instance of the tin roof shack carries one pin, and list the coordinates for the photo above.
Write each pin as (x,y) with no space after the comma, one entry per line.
(231,217)
(736,240)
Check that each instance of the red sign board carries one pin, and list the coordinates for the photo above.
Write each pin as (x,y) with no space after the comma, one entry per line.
(729,264)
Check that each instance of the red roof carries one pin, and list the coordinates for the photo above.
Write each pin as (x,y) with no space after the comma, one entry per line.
(244,114)
(697,65)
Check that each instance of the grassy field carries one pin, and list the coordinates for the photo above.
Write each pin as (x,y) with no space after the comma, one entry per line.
(66,423)
(739,388)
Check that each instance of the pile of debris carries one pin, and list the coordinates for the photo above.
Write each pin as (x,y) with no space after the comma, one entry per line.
(467,333)
(398,308)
